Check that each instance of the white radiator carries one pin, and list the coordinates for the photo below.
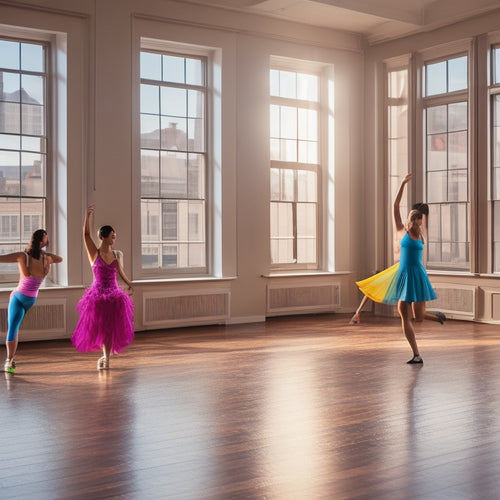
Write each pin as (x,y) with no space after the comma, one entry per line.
(169,309)
(45,320)
(302,299)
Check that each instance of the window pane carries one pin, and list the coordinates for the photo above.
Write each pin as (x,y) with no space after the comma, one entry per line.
(437,152)
(307,87)
(457,116)
(308,152)
(274,82)
(288,84)
(150,131)
(33,89)
(288,121)
(173,175)
(33,174)
(173,101)
(496,183)
(275,120)
(288,150)
(398,84)
(496,63)
(287,185)
(150,173)
(196,176)
(10,52)
(11,87)
(173,133)
(32,217)
(306,220)
(196,104)
(457,150)
(32,57)
(308,124)
(150,99)
(306,186)
(457,185)
(436,186)
(10,142)
(435,78)
(195,72)
(150,66)
(32,119)
(10,118)
(457,74)
(173,69)
(196,135)
(437,120)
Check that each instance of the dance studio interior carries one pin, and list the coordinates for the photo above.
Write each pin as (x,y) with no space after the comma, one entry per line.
(289,125)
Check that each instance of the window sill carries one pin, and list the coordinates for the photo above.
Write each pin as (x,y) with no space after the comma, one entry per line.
(297,274)
(179,279)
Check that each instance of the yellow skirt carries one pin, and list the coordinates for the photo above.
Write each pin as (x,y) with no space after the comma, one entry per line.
(376,287)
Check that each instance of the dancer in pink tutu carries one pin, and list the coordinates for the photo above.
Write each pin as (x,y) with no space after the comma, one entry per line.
(106,311)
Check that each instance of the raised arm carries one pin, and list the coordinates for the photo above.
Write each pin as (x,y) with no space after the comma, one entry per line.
(90,246)
(398,223)
(53,258)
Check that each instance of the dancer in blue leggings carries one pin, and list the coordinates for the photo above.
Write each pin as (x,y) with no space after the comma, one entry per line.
(34,264)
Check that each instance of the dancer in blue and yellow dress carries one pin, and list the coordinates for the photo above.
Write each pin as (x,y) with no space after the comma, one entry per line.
(405,283)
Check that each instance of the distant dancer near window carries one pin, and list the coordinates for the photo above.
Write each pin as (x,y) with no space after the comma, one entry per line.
(405,283)
(430,315)
(34,264)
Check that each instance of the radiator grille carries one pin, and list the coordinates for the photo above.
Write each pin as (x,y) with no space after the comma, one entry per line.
(459,300)
(161,309)
(303,298)
(40,320)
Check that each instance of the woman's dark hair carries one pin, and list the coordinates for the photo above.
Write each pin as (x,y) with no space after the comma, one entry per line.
(34,249)
(105,231)
(421,207)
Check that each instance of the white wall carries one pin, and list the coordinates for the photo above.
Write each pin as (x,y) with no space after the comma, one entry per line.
(103,40)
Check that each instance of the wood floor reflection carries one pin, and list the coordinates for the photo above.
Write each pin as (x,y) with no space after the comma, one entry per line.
(296,408)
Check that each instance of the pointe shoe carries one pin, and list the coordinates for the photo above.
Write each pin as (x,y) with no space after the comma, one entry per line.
(103,363)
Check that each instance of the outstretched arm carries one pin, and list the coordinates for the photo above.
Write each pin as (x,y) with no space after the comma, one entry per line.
(397,214)
(12,257)
(87,238)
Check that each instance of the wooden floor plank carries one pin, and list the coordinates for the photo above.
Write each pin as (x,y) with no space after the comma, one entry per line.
(302,407)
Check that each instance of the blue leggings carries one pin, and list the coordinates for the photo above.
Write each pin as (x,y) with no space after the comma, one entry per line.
(19,305)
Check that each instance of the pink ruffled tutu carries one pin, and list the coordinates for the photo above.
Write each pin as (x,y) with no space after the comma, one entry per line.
(106,312)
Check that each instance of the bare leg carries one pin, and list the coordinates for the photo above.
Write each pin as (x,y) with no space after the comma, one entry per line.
(423,314)
(356,318)
(405,311)
(11,346)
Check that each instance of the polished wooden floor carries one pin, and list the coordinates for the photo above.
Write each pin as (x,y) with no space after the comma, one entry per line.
(296,408)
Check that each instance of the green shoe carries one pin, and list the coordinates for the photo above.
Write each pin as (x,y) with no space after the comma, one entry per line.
(10,366)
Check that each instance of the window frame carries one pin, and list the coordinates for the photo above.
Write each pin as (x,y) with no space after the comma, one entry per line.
(181,50)
(48,41)
(318,70)
(433,55)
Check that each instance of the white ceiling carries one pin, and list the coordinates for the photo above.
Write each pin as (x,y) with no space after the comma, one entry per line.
(376,20)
